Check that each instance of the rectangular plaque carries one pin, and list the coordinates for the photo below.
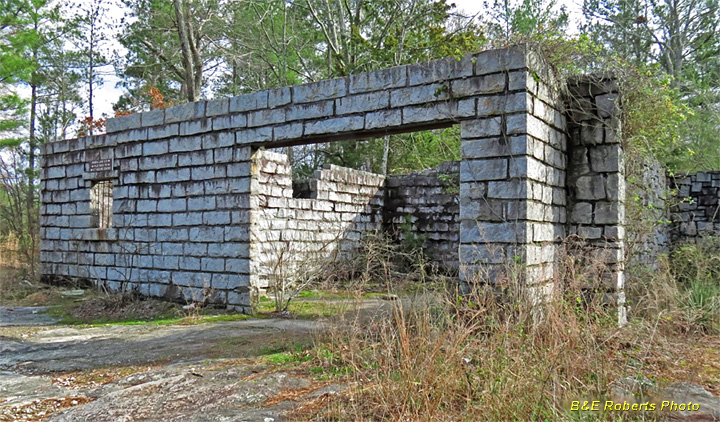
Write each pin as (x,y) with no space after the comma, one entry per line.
(101,165)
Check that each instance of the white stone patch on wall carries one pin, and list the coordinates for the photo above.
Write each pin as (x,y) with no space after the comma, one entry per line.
(292,238)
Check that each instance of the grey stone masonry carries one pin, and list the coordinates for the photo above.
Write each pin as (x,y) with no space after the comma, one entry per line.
(647,231)
(290,235)
(695,210)
(425,205)
(198,206)
(596,184)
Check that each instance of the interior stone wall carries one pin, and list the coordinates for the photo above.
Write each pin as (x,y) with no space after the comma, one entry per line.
(426,206)
(293,234)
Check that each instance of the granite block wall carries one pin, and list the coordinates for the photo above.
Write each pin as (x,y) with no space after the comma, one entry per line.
(426,206)
(180,215)
(196,202)
(597,185)
(647,236)
(293,233)
(695,211)
(512,182)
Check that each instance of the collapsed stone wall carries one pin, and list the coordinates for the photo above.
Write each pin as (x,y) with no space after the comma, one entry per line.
(292,234)
(426,206)
(696,212)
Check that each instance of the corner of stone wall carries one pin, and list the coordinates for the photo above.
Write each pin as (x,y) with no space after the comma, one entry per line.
(512,181)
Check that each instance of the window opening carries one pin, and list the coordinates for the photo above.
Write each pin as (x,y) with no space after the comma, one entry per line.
(101,202)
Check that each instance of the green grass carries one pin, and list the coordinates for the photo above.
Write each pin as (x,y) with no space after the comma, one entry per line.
(306,309)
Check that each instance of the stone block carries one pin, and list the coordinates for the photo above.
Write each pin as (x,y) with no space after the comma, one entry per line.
(195,126)
(479,170)
(440,70)
(607,104)
(118,124)
(279,97)
(218,140)
(383,119)
(173,175)
(215,218)
(484,148)
(157,162)
(246,102)
(590,232)
(590,187)
(265,117)
(379,80)
(288,131)
(334,125)
(362,102)
(482,210)
(232,121)
(609,213)
(322,90)
(206,234)
(493,61)
(152,118)
(605,158)
(155,147)
(582,213)
(172,205)
(479,85)
(217,107)
(508,189)
(173,234)
(185,112)
(146,205)
(426,114)
(187,218)
(319,109)
(481,128)
(238,169)
(228,250)
(487,232)
(419,95)
(207,172)
(237,266)
(254,135)
(591,133)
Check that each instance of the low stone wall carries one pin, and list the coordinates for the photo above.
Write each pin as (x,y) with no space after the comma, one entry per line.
(695,213)
(290,234)
(426,205)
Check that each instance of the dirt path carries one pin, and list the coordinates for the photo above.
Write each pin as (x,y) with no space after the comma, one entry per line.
(159,373)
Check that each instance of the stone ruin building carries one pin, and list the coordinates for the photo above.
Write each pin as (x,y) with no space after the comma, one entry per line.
(191,197)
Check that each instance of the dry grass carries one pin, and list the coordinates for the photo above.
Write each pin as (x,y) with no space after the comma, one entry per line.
(489,354)
(9,253)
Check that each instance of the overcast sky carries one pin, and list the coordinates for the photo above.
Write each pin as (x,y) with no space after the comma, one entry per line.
(108,94)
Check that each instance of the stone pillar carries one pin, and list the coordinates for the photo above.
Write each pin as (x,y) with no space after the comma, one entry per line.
(596,186)
(490,237)
(512,179)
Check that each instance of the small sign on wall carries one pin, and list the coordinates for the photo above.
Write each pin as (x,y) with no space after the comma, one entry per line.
(101,165)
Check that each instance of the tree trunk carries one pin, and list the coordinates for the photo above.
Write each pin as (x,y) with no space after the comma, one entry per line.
(187,60)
